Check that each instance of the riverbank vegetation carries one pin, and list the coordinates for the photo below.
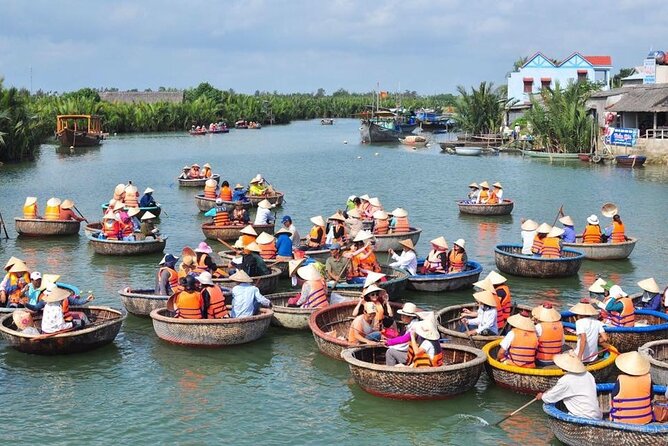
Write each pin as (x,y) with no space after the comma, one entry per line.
(482,110)
(19,132)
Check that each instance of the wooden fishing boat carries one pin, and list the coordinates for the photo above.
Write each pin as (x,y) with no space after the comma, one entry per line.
(383,242)
(395,283)
(630,160)
(379,131)
(36,227)
(525,380)
(509,259)
(197,182)
(626,339)
(468,151)
(210,332)
(327,121)
(657,354)
(296,318)
(414,141)
(266,284)
(459,373)
(503,208)
(604,251)
(330,325)
(449,324)
(93,228)
(123,248)
(231,232)
(551,155)
(105,324)
(445,282)
(155,210)
(578,431)
(275,198)
(79,130)
(197,132)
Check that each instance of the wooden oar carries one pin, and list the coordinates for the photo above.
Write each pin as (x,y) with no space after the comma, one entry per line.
(559,212)
(48,335)
(518,410)
(2,219)
(82,216)
(227,244)
(345,265)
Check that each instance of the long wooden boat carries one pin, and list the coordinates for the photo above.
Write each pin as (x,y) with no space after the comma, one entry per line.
(231,232)
(504,208)
(395,283)
(79,130)
(578,431)
(468,151)
(197,182)
(155,210)
(509,259)
(449,324)
(105,324)
(604,251)
(459,373)
(445,282)
(385,242)
(93,228)
(210,332)
(296,318)
(627,339)
(266,284)
(124,248)
(551,155)
(330,325)
(371,132)
(630,160)
(525,380)
(657,354)
(36,227)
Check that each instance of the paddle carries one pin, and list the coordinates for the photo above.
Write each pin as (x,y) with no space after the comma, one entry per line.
(82,216)
(163,210)
(2,220)
(466,331)
(227,244)
(518,410)
(345,265)
(48,335)
(559,213)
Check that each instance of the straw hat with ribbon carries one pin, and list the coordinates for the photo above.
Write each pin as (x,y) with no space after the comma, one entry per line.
(409,309)
(293,265)
(372,277)
(485,297)
(12,260)
(22,319)
(53,202)
(265,204)
(252,246)
(337,216)
(555,232)
(400,212)
(633,363)
(545,313)
(318,220)
(407,244)
(56,295)
(609,210)
(592,219)
(484,185)
(460,242)
(544,228)
(264,239)
(363,236)
(649,285)
(440,242)
(584,309)
(569,363)
(248,230)
(309,272)
(427,327)
(529,225)
(566,220)
(67,204)
(379,215)
(148,216)
(241,277)
(30,201)
(372,289)
(496,278)
(522,322)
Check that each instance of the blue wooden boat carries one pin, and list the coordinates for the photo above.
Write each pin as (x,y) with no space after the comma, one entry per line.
(445,282)
(630,160)
(509,259)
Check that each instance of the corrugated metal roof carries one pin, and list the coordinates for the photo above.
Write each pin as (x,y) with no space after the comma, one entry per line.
(643,99)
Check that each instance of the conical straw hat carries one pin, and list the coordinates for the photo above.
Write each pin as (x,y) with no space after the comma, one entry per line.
(484,284)
(649,285)
(293,265)
(131,189)
(147,216)
(49,281)
(248,230)
(265,204)
(408,244)
(22,319)
(497,184)
(53,201)
(371,289)
(56,295)
(555,232)
(12,260)
(584,309)
(545,313)
(337,216)
(148,190)
(210,183)
(67,204)
(241,277)
(529,225)
(119,189)
(354,213)
(496,278)
(566,220)
(474,185)
(440,242)
(609,210)
(309,272)
(362,236)
(264,239)
(484,185)
(252,246)
(30,201)
(372,278)
(521,322)
(375,202)
(597,286)
(318,220)
(379,215)
(118,206)
(485,297)
(364,197)
(133,211)
(544,228)
(460,242)
(633,363)
(400,212)
(18,267)
(569,363)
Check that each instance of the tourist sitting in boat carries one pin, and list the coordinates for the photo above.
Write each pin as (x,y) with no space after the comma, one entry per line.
(616,232)
(53,316)
(239,194)
(206,170)
(210,187)
(148,228)
(519,346)
(248,235)
(425,349)
(399,222)
(30,208)
(589,331)
(576,389)
(187,267)
(407,260)
(569,235)
(337,229)
(136,222)
(257,186)
(336,266)
(651,296)
(352,202)
(225,192)
(362,257)
(267,244)
(240,214)
(474,192)
(246,298)
(188,303)
(550,332)
(619,308)
(18,276)
(33,292)
(314,290)
(497,192)
(528,234)
(354,223)
(219,215)
(110,227)
(539,239)
(316,236)
(119,192)
(185,173)
(397,347)
(295,238)
(212,297)
(381,222)
(147,200)
(437,259)
(495,283)
(24,323)
(457,257)
(483,320)
(66,212)
(131,198)
(374,205)
(483,196)
(251,262)
(380,299)
(283,245)
(631,398)
(551,248)
(592,232)
(364,205)
(195,173)
(361,329)
(167,279)
(52,209)
(263,215)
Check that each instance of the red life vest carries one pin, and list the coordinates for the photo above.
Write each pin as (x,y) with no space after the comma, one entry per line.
(127,229)
(591,234)
(503,306)
(550,340)
(381,226)
(522,351)
(456,260)
(422,359)
(537,246)
(189,305)
(401,225)
(633,403)
(216,308)
(318,296)
(627,317)
(111,229)
(617,235)
(222,218)
(173,280)
(551,248)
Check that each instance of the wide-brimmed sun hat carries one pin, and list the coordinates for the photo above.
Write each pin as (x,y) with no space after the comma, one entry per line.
(633,363)
(569,363)
(545,313)
(409,309)
(241,277)
(440,242)
(204,247)
(522,322)
(264,239)
(592,219)
(649,285)
(584,309)
(555,232)
(309,272)
(485,297)
(318,220)
(205,278)
(566,220)
(529,225)
(407,244)
(544,228)
(609,210)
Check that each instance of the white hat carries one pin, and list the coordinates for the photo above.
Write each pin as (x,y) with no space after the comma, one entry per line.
(372,277)
(649,285)
(318,220)
(205,278)
(148,190)
(427,328)
(592,219)
(369,307)
(409,309)
(133,211)
(485,297)
(241,277)
(264,239)
(569,363)
(380,215)
(529,225)
(460,242)
(400,212)
(119,189)
(616,292)
(372,289)
(521,322)
(256,179)
(354,213)
(566,220)
(35,275)
(265,204)
(555,232)
(53,202)
(309,272)
(544,228)
(147,216)
(364,197)
(294,264)
(362,236)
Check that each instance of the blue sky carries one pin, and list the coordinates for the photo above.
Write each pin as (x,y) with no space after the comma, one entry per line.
(302,45)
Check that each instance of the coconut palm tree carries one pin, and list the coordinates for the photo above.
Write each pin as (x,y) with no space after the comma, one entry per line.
(480,111)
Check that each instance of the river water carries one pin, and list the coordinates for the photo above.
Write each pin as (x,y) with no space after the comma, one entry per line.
(280,390)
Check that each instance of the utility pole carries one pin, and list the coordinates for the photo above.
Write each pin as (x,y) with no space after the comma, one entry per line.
(30,80)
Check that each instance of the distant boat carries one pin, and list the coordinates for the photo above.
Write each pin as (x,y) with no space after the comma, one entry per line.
(414,140)
(327,121)
(79,130)
(630,160)
(241,124)
(551,155)
(384,125)
(468,151)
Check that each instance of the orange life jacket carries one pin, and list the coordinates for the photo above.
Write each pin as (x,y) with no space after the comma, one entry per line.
(225,193)
(591,234)
(550,340)
(131,200)
(210,191)
(268,251)
(127,229)
(30,211)
(633,403)
(52,212)
(189,305)
(627,317)
(503,306)
(318,296)
(456,260)
(222,218)
(206,172)
(65,305)
(217,308)
(484,196)
(537,246)
(110,228)
(618,232)
(173,279)
(247,239)
(493,198)
(12,288)
(522,351)
(401,224)
(381,226)
(422,359)
(366,260)
(317,235)
(201,262)
(551,248)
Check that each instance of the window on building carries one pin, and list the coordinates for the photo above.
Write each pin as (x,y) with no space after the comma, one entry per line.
(528,84)
(582,75)
(545,83)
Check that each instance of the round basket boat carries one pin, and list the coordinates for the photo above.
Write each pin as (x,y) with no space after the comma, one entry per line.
(294,317)
(526,380)
(142,302)
(93,228)
(509,259)
(503,208)
(231,232)
(383,242)
(266,284)
(155,210)
(105,323)
(210,332)
(36,227)
(395,283)
(628,339)
(446,282)
(283,265)
(123,248)
(604,251)
(450,328)
(330,325)
(657,354)
(204,204)
(197,182)
(321,255)
(578,431)
(459,373)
